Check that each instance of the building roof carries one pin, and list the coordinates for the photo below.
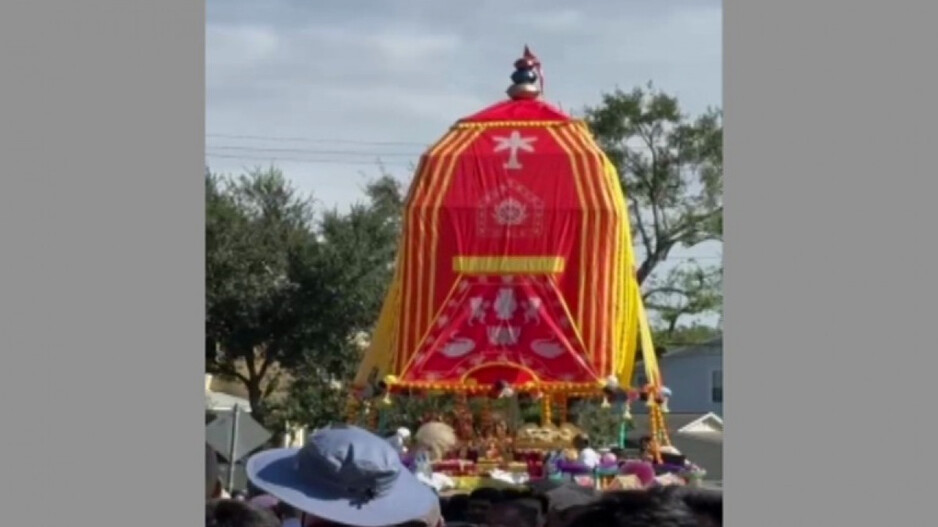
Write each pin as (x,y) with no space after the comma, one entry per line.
(709,423)
(221,402)
(703,449)
(711,347)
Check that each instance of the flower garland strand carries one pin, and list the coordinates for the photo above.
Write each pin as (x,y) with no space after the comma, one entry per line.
(546,417)
(662,428)
(562,407)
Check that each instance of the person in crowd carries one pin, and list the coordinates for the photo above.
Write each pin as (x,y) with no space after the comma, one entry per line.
(644,448)
(655,507)
(707,505)
(235,513)
(513,513)
(523,511)
(587,455)
(456,508)
(563,499)
(543,504)
(510,494)
(345,475)
(480,501)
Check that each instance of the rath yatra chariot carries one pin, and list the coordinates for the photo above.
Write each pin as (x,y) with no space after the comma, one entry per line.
(514,279)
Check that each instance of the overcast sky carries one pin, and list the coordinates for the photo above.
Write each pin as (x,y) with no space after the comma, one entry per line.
(325,88)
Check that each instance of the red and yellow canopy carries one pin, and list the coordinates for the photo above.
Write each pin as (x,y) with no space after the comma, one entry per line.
(515,265)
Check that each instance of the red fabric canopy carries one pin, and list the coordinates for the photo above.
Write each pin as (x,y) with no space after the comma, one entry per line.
(512,264)
(533,110)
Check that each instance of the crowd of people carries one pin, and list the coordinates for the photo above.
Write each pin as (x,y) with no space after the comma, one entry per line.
(345,476)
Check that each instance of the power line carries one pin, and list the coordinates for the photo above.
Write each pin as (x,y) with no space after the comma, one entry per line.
(312,151)
(271,159)
(317,140)
(321,140)
(254,153)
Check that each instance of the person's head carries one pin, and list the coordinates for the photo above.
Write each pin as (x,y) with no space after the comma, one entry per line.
(565,516)
(344,475)
(560,499)
(509,494)
(456,507)
(480,501)
(707,505)
(644,443)
(526,511)
(580,442)
(514,513)
(542,502)
(655,507)
(436,438)
(234,513)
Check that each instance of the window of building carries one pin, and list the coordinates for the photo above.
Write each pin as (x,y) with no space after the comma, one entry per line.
(716,386)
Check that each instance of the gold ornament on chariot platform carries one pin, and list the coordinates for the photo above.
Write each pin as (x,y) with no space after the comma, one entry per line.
(548,437)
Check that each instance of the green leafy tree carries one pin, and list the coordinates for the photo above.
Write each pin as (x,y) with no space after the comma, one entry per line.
(672,169)
(258,244)
(601,424)
(688,335)
(287,293)
(685,290)
(351,270)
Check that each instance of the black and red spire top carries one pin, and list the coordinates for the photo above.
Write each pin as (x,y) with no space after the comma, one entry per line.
(528,81)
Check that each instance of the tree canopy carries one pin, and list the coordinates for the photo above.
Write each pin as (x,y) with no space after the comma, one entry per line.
(671,167)
(288,289)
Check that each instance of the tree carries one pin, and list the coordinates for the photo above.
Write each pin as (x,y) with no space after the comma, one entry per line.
(287,293)
(672,170)
(354,263)
(258,248)
(688,335)
(685,290)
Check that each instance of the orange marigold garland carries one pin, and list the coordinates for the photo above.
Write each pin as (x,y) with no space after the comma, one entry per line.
(546,417)
(562,407)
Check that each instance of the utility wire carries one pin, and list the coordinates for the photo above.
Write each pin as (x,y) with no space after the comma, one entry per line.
(312,151)
(271,159)
(344,141)
(317,140)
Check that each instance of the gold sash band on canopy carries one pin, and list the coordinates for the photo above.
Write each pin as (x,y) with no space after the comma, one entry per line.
(508,264)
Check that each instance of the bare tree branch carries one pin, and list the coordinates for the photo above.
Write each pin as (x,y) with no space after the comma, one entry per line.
(640,224)
(666,291)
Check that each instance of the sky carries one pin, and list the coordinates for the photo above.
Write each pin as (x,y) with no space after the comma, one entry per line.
(325,89)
